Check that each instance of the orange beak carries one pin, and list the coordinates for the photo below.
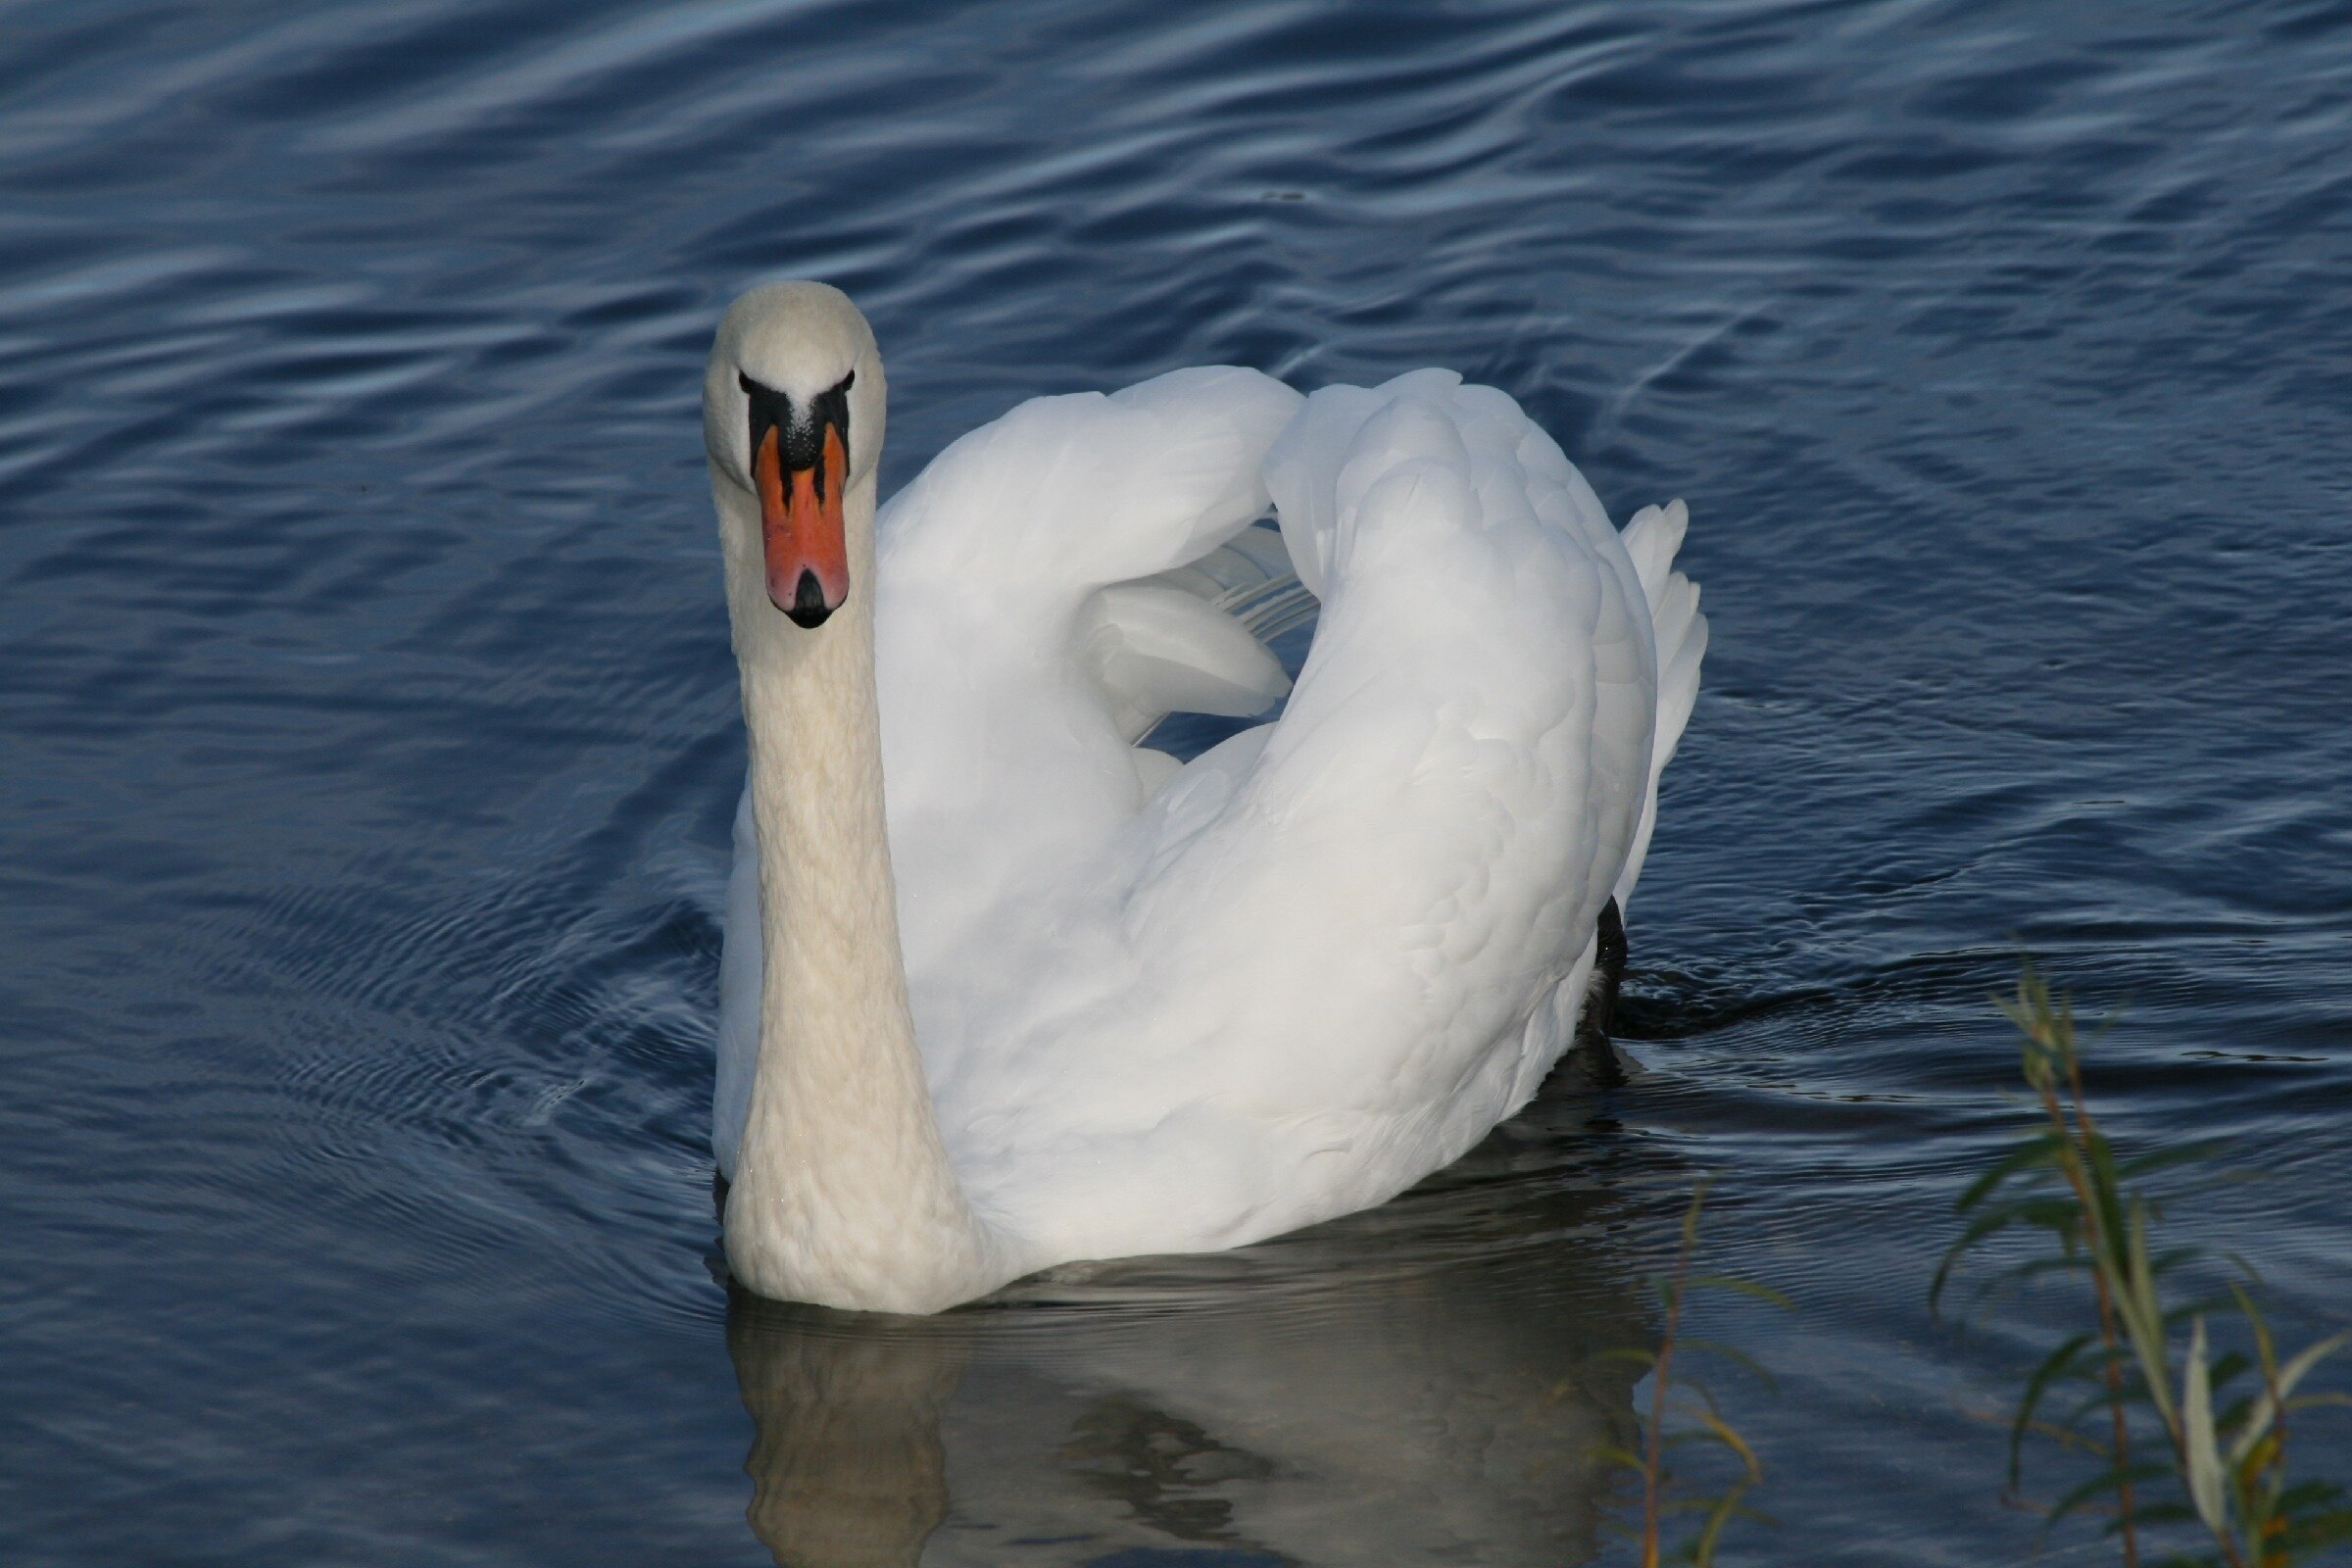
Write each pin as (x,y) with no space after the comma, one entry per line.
(800,526)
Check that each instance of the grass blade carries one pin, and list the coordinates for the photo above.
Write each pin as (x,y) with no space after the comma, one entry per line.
(2199,1451)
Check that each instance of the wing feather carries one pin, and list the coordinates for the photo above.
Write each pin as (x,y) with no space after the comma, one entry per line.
(1316,956)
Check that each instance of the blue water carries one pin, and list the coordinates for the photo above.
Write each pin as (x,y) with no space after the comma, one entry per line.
(371,738)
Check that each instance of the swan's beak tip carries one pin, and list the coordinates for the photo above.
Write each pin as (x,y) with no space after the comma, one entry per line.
(807,608)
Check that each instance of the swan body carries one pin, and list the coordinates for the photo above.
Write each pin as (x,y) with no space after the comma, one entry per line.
(1001,988)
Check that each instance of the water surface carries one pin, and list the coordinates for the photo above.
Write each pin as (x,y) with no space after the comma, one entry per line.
(371,735)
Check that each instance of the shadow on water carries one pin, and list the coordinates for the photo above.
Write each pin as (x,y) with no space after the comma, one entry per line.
(1422,1383)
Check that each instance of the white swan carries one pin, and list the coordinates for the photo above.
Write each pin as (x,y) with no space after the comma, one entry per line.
(1069,1000)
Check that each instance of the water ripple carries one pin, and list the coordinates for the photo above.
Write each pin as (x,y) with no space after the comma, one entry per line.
(375,740)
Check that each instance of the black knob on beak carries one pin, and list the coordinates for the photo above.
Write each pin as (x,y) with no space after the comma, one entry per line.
(809,608)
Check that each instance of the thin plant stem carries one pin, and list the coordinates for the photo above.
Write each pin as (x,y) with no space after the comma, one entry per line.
(2103,1255)
(2275,1442)
(2127,1520)
(1653,1456)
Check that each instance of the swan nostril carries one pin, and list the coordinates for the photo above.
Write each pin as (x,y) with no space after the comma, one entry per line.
(808,607)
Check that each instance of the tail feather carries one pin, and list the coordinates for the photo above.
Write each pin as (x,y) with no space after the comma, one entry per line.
(1652,538)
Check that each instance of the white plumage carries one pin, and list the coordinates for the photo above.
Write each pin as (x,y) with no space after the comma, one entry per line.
(1170,1009)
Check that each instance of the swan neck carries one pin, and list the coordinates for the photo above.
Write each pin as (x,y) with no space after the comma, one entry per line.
(843,1193)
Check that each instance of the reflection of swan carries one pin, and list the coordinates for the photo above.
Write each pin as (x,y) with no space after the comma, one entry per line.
(1393,1388)
(1161,1009)
(847,1467)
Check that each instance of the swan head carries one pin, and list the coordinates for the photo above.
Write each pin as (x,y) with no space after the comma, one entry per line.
(792,412)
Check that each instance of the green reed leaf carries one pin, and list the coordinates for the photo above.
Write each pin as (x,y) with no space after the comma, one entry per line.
(2201,1450)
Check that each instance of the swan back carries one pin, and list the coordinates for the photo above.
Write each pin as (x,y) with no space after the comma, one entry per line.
(1323,959)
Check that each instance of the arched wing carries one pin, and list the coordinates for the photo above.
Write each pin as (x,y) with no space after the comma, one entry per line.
(1333,951)
(1019,650)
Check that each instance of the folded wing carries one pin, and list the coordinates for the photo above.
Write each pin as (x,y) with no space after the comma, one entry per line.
(1173,1008)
